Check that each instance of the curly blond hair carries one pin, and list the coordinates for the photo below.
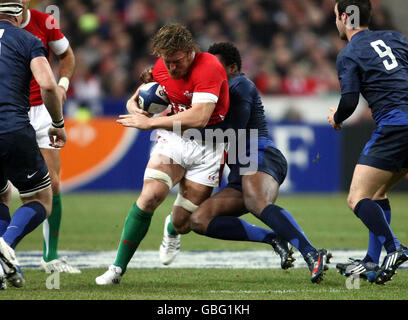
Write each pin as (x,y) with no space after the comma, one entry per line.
(172,38)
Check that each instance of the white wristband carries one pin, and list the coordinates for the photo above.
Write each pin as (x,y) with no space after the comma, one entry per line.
(64,82)
(58,124)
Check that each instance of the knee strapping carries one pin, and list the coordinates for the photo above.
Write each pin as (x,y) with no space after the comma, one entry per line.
(185,203)
(153,174)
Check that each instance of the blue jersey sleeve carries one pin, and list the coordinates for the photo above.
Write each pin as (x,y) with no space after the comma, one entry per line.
(37,49)
(349,77)
(241,106)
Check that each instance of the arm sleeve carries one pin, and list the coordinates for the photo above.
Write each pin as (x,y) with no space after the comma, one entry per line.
(348,104)
(37,49)
(349,75)
(240,107)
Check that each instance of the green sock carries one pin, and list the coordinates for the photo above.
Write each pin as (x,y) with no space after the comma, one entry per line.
(51,227)
(170,228)
(136,225)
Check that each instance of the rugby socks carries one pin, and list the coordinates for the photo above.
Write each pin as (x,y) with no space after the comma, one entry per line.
(4,218)
(287,228)
(136,225)
(51,227)
(233,228)
(374,245)
(374,219)
(25,219)
(170,229)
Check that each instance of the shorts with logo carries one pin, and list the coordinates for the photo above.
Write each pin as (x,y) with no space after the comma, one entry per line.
(387,149)
(267,159)
(41,121)
(203,162)
(22,163)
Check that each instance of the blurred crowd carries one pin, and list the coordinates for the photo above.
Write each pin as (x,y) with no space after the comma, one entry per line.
(288,46)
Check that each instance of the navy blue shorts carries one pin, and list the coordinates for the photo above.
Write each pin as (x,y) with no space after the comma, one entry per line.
(270,161)
(387,149)
(22,163)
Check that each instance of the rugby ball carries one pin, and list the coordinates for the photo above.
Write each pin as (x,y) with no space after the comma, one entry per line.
(152,98)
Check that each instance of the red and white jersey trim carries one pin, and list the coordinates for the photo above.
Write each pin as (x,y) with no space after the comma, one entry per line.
(58,47)
(203,97)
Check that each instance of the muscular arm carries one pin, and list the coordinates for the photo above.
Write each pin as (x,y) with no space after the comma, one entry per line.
(67,63)
(45,78)
(195,117)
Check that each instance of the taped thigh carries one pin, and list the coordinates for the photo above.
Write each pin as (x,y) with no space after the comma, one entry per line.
(153,174)
(185,203)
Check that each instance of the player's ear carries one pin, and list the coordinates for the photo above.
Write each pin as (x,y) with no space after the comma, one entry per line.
(344,18)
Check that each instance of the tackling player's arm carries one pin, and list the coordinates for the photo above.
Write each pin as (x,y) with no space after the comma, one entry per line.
(52,100)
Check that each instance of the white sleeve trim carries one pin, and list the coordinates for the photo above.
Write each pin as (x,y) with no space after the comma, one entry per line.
(203,97)
(59,46)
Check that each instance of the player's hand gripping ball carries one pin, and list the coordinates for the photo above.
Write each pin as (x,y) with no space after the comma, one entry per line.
(152,98)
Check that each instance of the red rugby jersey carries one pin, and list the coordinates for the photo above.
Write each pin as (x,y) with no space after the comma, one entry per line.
(44,27)
(206,78)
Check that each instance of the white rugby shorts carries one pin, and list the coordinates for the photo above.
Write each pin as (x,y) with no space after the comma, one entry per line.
(41,121)
(203,162)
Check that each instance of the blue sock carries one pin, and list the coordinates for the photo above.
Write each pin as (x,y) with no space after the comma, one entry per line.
(4,218)
(374,245)
(25,219)
(287,228)
(233,228)
(374,219)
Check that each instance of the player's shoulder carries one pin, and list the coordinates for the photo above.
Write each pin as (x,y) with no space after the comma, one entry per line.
(38,15)
(207,61)
(21,35)
(243,86)
(241,81)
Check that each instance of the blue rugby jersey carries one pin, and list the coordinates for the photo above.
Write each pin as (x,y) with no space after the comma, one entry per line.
(246,109)
(375,63)
(17,48)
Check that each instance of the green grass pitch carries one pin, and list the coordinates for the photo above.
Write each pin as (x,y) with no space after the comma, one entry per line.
(94,221)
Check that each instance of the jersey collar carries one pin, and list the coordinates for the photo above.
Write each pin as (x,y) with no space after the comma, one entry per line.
(25,23)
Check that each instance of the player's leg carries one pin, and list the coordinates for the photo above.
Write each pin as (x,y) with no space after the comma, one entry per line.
(380,197)
(366,182)
(218,218)
(368,267)
(160,175)
(25,167)
(51,226)
(189,197)
(5,200)
(260,192)
(41,121)
(204,165)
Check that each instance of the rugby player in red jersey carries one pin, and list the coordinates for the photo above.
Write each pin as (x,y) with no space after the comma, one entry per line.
(197,87)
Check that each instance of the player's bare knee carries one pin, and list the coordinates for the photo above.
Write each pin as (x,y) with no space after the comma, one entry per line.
(149,202)
(254,204)
(351,202)
(5,196)
(182,226)
(198,223)
(55,186)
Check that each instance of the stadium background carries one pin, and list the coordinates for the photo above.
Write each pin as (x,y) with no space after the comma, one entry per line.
(289,49)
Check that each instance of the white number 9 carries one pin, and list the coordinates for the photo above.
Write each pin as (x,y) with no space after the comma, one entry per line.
(387,53)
